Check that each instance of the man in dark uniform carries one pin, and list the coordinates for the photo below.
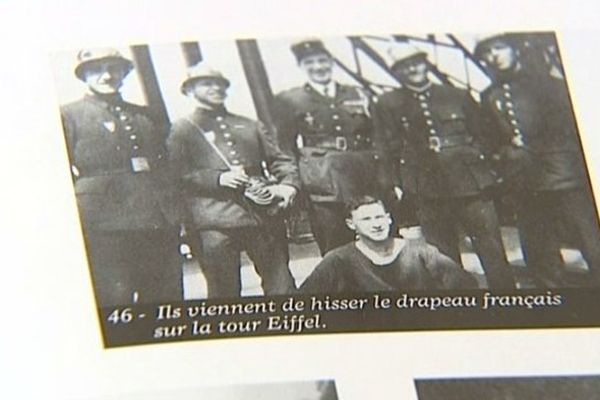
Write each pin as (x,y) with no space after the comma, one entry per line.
(235,181)
(118,161)
(326,126)
(429,134)
(535,138)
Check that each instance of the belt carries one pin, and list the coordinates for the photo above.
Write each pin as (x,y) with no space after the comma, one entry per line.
(438,143)
(339,143)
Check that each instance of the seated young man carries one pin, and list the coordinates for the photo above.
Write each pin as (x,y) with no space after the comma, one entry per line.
(377,261)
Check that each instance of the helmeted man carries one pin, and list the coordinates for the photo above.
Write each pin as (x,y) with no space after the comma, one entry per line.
(235,181)
(430,134)
(534,135)
(118,160)
(376,261)
(327,128)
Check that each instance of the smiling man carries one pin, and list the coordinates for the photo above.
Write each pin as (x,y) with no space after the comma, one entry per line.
(118,161)
(376,261)
(431,136)
(234,180)
(327,128)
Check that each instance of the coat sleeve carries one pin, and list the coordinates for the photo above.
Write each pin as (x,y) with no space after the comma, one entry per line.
(477,125)
(281,164)
(185,170)
(325,277)
(71,140)
(286,129)
(446,273)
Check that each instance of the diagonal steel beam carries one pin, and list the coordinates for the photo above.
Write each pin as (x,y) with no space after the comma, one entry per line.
(467,53)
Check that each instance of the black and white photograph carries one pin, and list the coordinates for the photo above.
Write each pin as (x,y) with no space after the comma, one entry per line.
(510,388)
(329,166)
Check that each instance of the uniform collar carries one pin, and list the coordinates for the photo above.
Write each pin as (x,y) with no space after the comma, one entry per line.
(203,110)
(104,99)
(331,87)
(419,89)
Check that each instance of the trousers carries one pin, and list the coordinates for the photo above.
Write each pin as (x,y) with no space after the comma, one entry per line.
(220,259)
(328,225)
(542,215)
(440,219)
(137,266)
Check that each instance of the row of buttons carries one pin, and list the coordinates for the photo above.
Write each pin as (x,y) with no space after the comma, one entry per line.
(518,136)
(123,117)
(228,141)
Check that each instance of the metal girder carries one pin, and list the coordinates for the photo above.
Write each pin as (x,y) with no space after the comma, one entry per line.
(467,53)
(191,53)
(258,81)
(149,84)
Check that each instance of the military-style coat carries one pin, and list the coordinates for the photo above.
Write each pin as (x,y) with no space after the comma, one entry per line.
(431,142)
(118,159)
(197,165)
(331,139)
(534,111)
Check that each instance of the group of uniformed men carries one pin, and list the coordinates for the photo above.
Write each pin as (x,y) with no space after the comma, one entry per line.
(231,181)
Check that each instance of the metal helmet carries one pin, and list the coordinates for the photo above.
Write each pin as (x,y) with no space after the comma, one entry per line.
(202,71)
(87,57)
(401,53)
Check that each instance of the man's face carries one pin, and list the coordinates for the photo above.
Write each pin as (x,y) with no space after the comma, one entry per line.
(208,91)
(318,68)
(499,55)
(105,77)
(413,71)
(371,222)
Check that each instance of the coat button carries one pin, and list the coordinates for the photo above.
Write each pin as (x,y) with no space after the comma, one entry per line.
(335,116)
(506,86)
(123,117)
(229,143)
(432,131)
(509,104)
(338,128)
(118,108)
(429,122)
(424,105)
(426,113)
(219,118)
(227,135)
(128,127)
(136,147)
(132,137)
(222,126)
